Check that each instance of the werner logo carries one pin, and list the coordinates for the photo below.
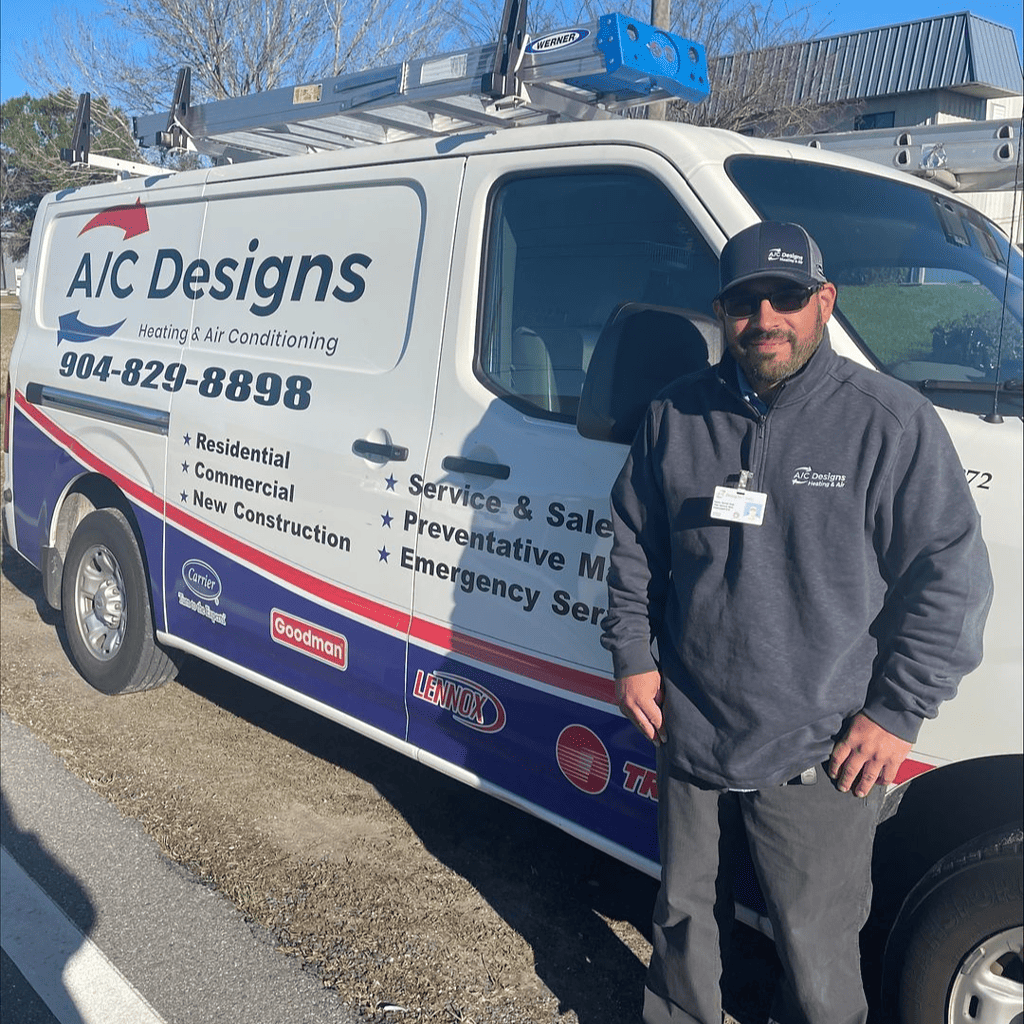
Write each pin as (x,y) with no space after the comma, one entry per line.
(132,220)
(806,476)
(308,638)
(557,40)
(583,759)
(202,580)
(470,703)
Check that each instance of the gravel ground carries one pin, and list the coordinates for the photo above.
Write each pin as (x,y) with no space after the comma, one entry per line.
(413,897)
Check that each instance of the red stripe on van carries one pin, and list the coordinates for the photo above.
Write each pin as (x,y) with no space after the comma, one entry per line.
(585,684)
(910,770)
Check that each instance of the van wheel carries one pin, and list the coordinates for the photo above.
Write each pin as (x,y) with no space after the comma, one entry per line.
(105,603)
(955,954)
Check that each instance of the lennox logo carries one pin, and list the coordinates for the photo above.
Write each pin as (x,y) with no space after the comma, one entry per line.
(805,476)
(308,638)
(781,256)
(557,40)
(202,580)
(470,703)
(583,759)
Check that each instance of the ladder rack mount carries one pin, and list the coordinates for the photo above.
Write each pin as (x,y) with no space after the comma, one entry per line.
(597,70)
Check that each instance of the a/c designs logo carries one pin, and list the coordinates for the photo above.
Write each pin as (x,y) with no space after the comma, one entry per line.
(805,476)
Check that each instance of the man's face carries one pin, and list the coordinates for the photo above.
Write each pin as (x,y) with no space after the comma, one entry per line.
(771,346)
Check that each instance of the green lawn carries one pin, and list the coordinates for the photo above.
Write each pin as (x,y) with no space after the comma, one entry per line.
(895,321)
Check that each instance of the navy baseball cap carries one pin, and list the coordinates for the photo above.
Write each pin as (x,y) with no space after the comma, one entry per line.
(770,249)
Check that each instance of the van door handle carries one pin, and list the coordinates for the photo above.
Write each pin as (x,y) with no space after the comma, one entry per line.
(370,449)
(457,464)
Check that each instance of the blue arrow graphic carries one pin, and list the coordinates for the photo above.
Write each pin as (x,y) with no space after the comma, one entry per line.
(72,329)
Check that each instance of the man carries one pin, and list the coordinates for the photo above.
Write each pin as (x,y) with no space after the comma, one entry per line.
(795,539)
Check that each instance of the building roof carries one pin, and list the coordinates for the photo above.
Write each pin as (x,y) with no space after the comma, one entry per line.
(961,52)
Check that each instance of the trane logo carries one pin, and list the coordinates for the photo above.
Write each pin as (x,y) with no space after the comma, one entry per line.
(202,580)
(557,40)
(310,639)
(470,703)
(583,759)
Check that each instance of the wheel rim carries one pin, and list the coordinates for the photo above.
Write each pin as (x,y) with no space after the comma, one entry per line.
(99,602)
(988,987)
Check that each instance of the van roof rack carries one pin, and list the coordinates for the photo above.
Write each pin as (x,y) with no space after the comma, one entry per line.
(590,71)
(962,156)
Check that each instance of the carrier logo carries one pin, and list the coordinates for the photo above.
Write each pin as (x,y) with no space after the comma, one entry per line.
(805,476)
(781,256)
(583,759)
(470,703)
(202,580)
(308,638)
(557,40)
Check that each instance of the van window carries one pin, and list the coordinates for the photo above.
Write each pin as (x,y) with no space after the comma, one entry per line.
(929,287)
(564,250)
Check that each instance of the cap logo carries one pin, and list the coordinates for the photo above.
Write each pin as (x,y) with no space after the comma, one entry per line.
(778,255)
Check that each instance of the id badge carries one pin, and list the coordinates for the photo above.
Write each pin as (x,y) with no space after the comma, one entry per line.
(738,506)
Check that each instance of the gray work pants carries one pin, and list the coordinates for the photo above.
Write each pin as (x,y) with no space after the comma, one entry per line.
(811,848)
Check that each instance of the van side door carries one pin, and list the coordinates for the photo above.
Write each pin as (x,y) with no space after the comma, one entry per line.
(507,677)
(306,405)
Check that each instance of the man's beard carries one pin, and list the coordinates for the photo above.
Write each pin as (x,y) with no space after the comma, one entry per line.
(767,369)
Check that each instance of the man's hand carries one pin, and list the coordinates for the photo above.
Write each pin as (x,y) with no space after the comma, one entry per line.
(640,697)
(866,754)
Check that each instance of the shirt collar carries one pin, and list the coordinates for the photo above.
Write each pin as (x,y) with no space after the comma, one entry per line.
(750,396)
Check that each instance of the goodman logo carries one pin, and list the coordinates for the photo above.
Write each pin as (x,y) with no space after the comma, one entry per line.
(583,759)
(557,40)
(471,704)
(202,580)
(308,638)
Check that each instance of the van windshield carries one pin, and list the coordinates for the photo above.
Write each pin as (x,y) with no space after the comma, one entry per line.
(929,287)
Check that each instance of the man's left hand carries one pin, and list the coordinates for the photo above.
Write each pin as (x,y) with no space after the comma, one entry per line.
(865,754)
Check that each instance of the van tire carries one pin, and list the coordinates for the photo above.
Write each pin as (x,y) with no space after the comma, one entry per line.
(106,610)
(955,952)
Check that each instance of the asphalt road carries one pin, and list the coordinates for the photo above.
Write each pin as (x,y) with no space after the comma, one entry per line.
(153,945)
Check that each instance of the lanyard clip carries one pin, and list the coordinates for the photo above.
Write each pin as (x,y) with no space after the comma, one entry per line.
(745,479)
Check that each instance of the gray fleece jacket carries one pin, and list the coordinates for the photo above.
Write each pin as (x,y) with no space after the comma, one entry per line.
(865,588)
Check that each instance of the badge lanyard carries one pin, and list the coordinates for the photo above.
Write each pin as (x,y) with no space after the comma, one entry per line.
(738,504)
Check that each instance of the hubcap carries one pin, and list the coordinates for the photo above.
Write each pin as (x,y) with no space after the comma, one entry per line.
(99,602)
(989,987)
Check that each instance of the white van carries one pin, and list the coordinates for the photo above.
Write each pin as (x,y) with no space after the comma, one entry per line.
(346,424)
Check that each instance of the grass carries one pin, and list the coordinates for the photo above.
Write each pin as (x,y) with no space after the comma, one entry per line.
(10,316)
(895,321)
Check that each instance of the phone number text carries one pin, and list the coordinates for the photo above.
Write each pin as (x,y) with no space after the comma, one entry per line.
(235,385)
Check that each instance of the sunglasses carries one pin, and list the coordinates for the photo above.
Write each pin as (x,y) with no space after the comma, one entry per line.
(784,300)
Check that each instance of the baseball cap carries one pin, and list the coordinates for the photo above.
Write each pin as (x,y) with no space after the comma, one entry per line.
(770,249)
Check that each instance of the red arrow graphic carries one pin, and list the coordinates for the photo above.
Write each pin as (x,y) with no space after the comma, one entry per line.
(130,219)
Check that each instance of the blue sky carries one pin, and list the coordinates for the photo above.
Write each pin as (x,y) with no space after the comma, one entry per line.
(23,19)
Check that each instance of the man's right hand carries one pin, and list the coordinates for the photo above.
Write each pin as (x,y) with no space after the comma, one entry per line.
(640,697)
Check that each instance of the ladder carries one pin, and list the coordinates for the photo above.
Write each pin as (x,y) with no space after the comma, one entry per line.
(965,156)
(595,70)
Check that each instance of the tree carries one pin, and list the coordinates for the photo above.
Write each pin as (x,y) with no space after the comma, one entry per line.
(131,49)
(33,133)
